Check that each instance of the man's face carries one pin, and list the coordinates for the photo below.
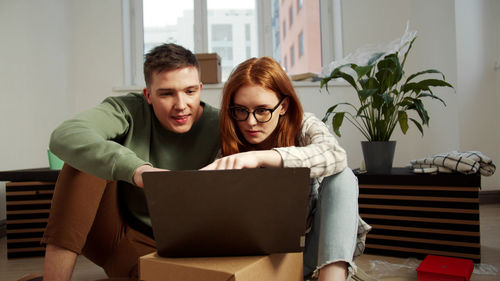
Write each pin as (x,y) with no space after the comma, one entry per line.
(175,97)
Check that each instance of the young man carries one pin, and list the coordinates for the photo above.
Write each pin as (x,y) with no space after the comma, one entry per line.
(99,208)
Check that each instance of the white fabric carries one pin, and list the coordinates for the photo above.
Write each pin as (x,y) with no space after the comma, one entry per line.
(466,162)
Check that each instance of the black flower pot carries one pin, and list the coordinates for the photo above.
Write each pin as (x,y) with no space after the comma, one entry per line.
(378,156)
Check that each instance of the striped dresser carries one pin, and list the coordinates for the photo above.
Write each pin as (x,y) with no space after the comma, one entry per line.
(28,199)
(413,215)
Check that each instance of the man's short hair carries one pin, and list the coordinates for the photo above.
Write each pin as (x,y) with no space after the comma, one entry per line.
(168,57)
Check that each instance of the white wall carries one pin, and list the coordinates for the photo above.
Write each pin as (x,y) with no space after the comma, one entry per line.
(478,34)
(34,67)
(59,57)
(96,51)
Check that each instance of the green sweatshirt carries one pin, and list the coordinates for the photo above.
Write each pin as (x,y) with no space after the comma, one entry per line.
(122,133)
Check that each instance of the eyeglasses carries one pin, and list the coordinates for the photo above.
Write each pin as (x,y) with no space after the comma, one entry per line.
(262,115)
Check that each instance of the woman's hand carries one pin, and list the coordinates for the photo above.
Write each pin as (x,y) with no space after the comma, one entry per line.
(141,169)
(250,159)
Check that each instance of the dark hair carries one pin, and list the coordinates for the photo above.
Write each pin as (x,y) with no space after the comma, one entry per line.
(268,74)
(168,57)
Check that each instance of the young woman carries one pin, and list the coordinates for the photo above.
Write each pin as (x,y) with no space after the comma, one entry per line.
(262,125)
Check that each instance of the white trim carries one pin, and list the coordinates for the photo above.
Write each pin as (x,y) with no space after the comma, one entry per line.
(133,44)
(338,46)
(264,27)
(127,43)
(200,26)
(138,42)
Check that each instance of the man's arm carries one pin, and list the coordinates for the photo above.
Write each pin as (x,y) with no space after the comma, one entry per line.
(86,142)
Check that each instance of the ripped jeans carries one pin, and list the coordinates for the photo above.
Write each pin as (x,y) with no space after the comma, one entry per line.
(333,234)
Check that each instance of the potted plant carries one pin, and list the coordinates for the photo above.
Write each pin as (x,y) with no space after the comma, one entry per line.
(386,98)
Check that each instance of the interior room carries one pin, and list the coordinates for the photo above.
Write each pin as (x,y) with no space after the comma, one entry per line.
(59,57)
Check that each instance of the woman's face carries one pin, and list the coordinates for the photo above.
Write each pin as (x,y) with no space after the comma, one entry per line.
(261,101)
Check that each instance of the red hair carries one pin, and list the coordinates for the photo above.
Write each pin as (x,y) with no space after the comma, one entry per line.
(268,74)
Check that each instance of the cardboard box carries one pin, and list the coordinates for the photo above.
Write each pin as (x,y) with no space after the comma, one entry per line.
(438,268)
(210,68)
(274,267)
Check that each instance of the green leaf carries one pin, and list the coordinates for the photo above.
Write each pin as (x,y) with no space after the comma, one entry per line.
(337,120)
(424,72)
(422,113)
(381,130)
(329,111)
(363,70)
(388,109)
(424,85)
(338,73)
(403,121)
(366,93)
(386,78)
(408,51)
(324,83)
(377,101)
(418,126)
(421,95)
(360,110)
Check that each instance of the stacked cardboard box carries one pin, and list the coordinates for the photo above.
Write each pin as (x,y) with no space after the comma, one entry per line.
(210,68)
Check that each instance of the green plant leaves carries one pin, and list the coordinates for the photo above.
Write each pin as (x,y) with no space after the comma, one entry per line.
(428,71)
(337,120)
(403,121)
(384,101)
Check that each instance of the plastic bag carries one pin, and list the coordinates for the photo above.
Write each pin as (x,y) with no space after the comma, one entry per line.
(408,269)
(362,55)
(485,269)
(382,269)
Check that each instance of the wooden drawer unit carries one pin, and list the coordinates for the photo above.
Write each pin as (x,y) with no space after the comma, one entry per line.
(28,199)
(28,207)
(413,215)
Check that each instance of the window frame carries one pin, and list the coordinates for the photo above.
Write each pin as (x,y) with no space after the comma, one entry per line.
(133,34)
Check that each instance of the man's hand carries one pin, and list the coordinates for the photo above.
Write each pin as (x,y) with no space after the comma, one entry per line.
(138,174)
(250,159)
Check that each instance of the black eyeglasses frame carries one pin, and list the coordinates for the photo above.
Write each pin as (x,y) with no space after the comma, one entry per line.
(232,108)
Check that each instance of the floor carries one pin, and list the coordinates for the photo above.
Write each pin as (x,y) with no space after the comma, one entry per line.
(380,267)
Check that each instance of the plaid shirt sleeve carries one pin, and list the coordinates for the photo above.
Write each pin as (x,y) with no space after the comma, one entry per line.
(318,149)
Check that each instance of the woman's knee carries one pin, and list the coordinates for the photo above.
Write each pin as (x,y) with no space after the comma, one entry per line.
(343,185)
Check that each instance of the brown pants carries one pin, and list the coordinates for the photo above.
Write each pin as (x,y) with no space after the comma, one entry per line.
(85,218)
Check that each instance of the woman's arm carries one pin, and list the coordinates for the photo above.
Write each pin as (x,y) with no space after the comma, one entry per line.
(250,159)
(318,150)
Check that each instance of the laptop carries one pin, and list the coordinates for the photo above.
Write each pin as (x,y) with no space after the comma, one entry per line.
(228,212)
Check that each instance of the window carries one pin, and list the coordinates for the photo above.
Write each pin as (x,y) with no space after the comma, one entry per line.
(284,29)
(301,44)
(292,55)
(236,30)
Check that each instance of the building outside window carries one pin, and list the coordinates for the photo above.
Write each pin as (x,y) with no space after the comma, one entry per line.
(301,44)
(305,33)
(299,5)
(284,29)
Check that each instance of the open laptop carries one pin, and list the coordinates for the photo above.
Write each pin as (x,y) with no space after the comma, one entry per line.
(228,212)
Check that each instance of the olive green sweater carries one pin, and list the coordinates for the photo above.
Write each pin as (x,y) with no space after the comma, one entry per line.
(122,133)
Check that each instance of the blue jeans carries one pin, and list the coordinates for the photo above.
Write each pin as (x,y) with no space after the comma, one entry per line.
(333,234)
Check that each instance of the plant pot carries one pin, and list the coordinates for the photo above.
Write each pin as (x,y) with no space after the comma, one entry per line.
(378,156)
